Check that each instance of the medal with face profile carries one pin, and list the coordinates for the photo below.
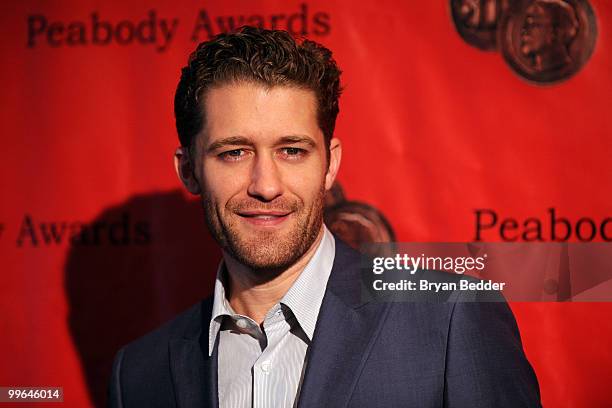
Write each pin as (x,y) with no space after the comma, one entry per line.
(547,41)
(543,41)
(476,21)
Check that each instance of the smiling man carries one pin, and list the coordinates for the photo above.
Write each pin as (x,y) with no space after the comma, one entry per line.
(287,324)
(263,170)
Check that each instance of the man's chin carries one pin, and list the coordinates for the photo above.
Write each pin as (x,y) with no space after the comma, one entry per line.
(265,250)
(269,249)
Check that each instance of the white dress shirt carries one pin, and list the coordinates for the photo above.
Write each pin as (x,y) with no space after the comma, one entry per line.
(262,368)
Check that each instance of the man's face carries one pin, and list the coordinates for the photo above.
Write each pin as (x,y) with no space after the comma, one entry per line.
(262,168)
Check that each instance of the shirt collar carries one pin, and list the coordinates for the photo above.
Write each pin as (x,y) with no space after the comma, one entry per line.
(221,307)
(304,297)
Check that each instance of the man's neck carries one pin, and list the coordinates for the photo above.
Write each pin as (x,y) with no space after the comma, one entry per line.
(251,297)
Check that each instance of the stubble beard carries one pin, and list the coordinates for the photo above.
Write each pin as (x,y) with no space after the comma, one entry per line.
(265,252)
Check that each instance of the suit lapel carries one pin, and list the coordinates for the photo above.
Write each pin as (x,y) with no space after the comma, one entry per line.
(194,373)
(345,332)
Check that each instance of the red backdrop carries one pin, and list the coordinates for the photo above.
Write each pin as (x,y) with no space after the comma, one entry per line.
(93,218)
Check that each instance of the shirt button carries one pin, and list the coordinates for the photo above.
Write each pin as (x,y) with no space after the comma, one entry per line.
(242,323)
(265,366)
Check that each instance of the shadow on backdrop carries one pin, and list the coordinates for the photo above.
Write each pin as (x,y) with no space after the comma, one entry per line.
(135,266)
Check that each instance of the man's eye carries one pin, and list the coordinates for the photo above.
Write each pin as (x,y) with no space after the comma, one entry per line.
(293,151)
(234,154)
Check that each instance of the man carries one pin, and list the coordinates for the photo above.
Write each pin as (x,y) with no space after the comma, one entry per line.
(287,325)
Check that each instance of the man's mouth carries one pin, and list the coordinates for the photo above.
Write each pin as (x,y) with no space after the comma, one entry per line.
(264,218)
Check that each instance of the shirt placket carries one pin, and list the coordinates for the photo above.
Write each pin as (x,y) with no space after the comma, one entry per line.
(265,370)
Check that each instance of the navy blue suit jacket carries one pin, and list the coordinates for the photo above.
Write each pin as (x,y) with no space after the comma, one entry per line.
(363,354)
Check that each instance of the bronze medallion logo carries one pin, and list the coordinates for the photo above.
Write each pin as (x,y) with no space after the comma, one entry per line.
(544,41)
(356,223)
(548,40)
(476,21)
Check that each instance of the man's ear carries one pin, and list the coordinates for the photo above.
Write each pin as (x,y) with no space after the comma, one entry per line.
(185,170)
(335,155)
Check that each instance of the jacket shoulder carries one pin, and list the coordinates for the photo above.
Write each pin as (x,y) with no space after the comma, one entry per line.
(187,324)
(141,373)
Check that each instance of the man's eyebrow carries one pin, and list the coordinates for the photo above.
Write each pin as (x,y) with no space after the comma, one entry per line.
(291,139)
(244,141)
(229,141)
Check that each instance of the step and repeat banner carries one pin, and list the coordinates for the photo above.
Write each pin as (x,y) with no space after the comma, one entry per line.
(462,121)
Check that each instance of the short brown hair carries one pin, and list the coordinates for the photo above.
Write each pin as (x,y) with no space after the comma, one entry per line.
(268,57)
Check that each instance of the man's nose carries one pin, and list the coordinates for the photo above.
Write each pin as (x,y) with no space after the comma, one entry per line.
(266,181)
